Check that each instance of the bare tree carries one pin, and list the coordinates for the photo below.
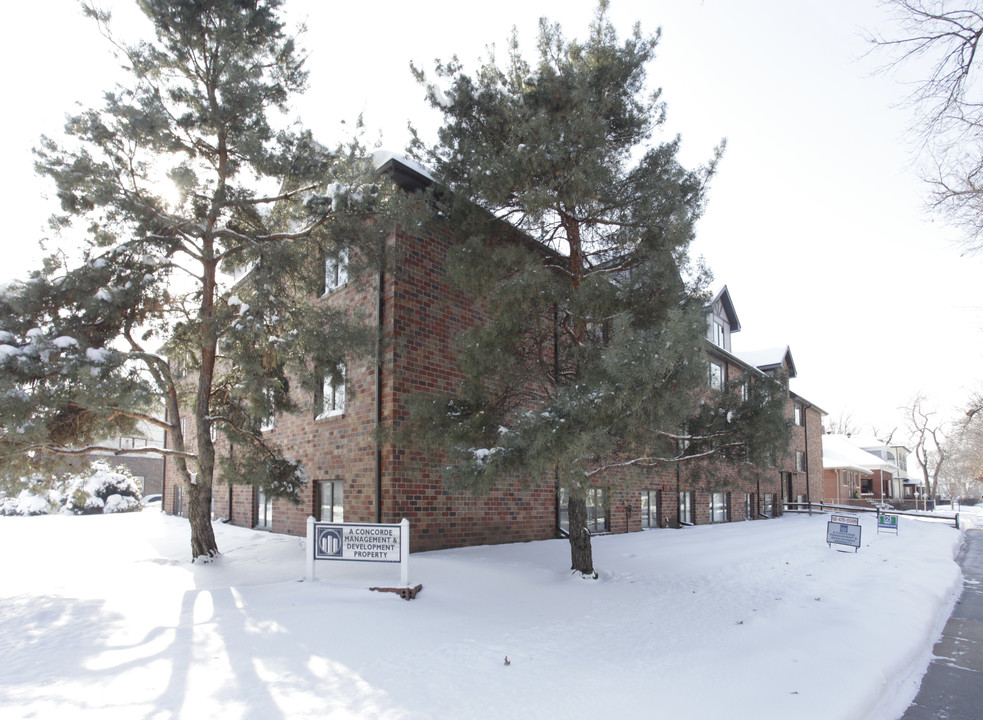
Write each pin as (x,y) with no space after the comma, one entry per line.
(962,477)
(929,438)
(939,41)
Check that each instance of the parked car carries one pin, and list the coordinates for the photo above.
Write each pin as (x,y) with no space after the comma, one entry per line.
(150,499)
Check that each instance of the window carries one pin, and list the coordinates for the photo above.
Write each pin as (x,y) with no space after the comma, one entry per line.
(332,392)
(800,461)
(651,508)
(335,271)
(178,501)
(744,390)
(716,375)
(797,417)
(719,336)
(748,506)
(597,510)
(686,508)
(768,501)
(331,501)
(720,507)
(264,510)
(269,416)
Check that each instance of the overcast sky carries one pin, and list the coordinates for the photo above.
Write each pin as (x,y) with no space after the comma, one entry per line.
(816,222)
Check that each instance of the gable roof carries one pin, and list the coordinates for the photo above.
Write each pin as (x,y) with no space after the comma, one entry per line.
(770,359)
(723,297)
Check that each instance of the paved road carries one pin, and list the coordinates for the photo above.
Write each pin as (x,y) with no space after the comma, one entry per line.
(952,689)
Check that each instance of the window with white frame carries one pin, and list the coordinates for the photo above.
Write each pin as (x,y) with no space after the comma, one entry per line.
(331,501)
(716,375)
(331,400)
(748,506)
(686,516)
(768,504)
(719,335)
(651,508)
(720,507)
(335,271)
(797,416)
(800,461)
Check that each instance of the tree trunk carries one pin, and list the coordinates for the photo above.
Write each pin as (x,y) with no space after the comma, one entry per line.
(581,556)
(203,545)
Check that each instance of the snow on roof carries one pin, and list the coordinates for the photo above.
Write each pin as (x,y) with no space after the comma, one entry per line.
(769,358)
(840,453)
(383,157)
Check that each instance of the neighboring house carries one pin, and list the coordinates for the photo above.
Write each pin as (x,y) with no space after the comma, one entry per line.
(856,470)
(360,475)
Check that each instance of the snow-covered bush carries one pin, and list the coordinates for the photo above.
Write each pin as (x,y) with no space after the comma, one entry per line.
(34,495)
(101,489)
(26,503)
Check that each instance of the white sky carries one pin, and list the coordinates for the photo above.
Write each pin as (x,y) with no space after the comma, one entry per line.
(816,222)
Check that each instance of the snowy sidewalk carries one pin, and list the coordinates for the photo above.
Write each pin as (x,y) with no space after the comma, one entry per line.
(953,686)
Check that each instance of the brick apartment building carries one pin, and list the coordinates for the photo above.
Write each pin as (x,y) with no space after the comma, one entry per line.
(358,475)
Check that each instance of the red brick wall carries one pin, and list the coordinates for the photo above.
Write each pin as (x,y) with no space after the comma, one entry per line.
(421,318)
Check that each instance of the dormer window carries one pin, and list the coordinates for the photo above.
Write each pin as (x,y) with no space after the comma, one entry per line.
(719,334)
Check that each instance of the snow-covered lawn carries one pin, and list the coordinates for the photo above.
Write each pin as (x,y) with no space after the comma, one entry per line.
(104,617)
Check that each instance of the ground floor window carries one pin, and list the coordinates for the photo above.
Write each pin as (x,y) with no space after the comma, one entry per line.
(179,499)
(748,506)
(720,507)
(768,504)
(597,510)
(264,510)
(651,508)
(686,508)
(331,501)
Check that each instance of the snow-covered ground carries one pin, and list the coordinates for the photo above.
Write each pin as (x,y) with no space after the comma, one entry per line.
(104,617)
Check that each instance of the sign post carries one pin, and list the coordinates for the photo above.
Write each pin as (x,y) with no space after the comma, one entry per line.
(888,522)
(843,530)
(359,542)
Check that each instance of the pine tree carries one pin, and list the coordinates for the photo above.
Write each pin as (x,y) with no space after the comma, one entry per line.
(591,356)
(177,179)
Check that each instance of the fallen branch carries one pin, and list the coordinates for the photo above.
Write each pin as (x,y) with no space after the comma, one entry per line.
(405,593)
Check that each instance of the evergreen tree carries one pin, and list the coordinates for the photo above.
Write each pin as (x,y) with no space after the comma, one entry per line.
(591,357)
(178,178)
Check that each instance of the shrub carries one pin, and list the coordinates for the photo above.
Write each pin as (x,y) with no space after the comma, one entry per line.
(101,489)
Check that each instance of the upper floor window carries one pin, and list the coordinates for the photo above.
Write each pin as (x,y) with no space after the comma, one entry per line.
(332,392)
(800,461)
(335,271)
(269,407)
(719,335)
(716,375)
(797,415)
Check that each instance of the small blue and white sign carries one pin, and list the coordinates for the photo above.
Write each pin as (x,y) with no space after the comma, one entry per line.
(887,522)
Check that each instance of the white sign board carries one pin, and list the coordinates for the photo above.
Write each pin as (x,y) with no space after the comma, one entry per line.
(359,542)
(843,534)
